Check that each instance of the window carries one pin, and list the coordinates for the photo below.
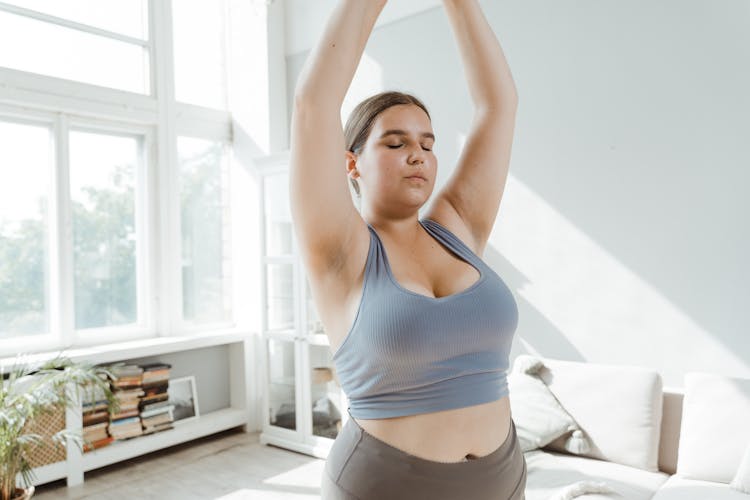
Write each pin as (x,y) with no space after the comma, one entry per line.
(98,42)
(124,17)
(204,208)
(26,158)
(199,51)
(115,218)
(102,195)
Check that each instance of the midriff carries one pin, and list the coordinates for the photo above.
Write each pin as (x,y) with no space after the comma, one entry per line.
(446,436)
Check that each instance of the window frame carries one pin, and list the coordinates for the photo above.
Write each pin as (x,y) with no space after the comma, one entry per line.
(67,105)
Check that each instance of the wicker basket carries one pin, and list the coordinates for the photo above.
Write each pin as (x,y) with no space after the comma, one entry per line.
(46,425)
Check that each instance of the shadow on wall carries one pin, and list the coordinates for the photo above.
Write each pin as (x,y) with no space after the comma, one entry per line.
(536,334)
(621,230)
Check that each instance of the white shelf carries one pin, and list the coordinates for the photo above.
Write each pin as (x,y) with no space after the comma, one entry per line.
(118,451)
(47,473)
(237,413)
(204,425)
(152,346)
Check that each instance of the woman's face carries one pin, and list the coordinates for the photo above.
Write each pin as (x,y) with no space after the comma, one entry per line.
(399,147)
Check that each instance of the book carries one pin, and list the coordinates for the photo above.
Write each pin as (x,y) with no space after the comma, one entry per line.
(157,411)
(151,406)
(154,366)
(155,398)
(158,388)
(95,418)
(158,428)
(98,405)
(96,431)
(130,393)
(97,444)
(124,414)
(157,419)
(125,421)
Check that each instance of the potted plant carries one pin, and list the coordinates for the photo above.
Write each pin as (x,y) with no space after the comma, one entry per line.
(29,391)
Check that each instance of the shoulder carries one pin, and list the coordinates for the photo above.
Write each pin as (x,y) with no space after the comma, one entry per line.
(443,212)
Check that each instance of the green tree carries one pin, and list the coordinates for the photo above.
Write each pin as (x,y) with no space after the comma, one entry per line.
(22,276)
(201,221)
(104,253)
(104,262)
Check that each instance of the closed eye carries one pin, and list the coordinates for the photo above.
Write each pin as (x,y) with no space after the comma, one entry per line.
(399,145)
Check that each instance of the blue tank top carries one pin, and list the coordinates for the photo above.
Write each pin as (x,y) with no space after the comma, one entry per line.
(408,353)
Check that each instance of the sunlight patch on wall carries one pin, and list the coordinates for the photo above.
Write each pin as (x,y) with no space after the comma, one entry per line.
(368,80)
(596,302)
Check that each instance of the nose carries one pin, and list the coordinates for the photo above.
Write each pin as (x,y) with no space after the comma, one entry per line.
(417,156)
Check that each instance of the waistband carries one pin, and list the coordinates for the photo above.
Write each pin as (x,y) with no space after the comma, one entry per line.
(503,453)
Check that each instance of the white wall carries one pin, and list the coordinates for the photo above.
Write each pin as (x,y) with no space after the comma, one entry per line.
(623,230)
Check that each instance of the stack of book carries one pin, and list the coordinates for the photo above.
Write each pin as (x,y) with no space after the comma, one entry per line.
(96,436)
(127,389)
(156,411)
(95,419)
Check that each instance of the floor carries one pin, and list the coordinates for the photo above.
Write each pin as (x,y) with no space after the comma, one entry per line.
(230,465)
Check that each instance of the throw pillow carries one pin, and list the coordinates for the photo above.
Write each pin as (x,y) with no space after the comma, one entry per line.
(538,416)
(714,431)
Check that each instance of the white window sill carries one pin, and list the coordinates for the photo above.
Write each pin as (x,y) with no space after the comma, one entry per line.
(107,353)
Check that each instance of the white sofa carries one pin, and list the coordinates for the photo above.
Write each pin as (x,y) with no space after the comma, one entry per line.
(639,446)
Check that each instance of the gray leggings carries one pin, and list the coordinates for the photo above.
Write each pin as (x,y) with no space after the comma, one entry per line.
(362,467)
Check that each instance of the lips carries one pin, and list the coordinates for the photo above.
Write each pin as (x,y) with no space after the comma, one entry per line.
(416,177)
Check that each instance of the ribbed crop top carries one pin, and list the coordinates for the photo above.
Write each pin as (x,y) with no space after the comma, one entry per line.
(408,353)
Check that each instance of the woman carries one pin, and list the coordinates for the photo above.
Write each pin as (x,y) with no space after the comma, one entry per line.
(420,326)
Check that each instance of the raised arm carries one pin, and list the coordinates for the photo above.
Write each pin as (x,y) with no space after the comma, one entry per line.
(324,215)
(472,194)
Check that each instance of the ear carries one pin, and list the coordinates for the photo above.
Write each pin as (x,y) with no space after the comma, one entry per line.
(351,164)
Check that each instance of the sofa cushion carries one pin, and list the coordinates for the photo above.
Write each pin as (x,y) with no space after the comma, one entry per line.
(538,416)
(678,488)
(715,430)
(741,481)
(548,472)
(671,416)
(619,408)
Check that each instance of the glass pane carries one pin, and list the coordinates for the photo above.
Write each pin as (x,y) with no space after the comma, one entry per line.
(198,31)
(72,54)
(282,406)
(278,236)
(276,194)
(204,208)
(314,325)
(102,190)
(325,393)
(127,17)
(280,296)
(278,214)
(25,155)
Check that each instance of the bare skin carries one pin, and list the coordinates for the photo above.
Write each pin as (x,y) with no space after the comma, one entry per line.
(333,235)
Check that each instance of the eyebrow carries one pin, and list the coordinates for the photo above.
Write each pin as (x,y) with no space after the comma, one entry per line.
(395,131)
